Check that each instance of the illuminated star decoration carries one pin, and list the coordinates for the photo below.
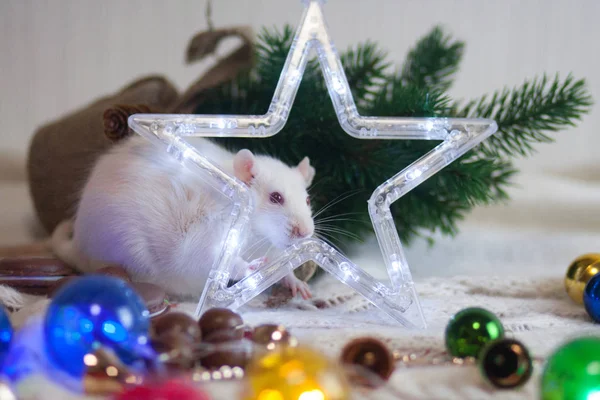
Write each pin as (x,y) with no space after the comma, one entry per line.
(458,135)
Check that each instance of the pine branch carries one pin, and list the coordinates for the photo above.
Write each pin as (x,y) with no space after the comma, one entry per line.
(433,62)
(441,202)
(354,168)
(525,115)
(365,67)
(398,98)
(272,49)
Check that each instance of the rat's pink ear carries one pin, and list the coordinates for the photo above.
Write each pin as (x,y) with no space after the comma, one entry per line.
(243,164)
(307,171)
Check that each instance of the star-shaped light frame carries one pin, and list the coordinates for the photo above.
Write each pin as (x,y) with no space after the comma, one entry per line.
(399,300)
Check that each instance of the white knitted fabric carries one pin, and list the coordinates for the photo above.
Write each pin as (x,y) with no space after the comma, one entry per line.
(510,260)
(534,310)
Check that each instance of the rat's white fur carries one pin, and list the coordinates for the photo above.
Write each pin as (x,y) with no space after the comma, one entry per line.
(142,209)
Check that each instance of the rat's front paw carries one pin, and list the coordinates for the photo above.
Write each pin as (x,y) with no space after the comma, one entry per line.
(297,286)
(257,263)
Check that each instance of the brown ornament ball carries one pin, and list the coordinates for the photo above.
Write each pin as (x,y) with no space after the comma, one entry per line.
(271,334)
(506,363)
(221,325)
(176,324)
(371,354)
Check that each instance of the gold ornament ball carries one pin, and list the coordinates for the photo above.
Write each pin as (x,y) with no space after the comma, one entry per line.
(581,270)
(295,373)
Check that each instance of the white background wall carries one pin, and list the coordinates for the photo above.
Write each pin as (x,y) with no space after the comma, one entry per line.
(57,55)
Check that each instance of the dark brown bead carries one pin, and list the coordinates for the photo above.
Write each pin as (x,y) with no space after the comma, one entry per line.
(222,336)
(232,354)
(220,324)
(371,354)
(176,324)
(175,351)
(271,333)
(115,270)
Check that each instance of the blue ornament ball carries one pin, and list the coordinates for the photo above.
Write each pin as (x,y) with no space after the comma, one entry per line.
(94,311)
(591,297)
(6,334)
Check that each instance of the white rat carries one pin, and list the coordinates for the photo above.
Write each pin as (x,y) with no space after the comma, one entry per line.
(142,209)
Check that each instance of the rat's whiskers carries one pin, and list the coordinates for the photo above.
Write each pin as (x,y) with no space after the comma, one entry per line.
(330,229)
(256,247)
(338,199)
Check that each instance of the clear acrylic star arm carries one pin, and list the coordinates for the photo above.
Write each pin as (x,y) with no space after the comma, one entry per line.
(312,33)
(399,300)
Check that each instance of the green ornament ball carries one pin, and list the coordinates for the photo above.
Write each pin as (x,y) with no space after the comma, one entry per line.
(470,330)
(573,371)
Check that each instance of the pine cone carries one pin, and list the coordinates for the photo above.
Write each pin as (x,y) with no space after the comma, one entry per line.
(306,271)
(115,119)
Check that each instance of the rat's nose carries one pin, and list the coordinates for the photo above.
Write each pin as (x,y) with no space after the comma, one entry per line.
(297,232)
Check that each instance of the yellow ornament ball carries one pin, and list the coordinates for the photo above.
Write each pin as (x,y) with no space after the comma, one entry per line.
(581,270)
(295,373)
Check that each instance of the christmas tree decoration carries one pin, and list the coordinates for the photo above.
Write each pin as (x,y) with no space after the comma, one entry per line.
(580,271)
(506,363)
(371,354)
(295,373)
(469,330)
(271,335)
(6,334)
(591,298)
(572,371)
(93,311)
(455,137)
(169,390)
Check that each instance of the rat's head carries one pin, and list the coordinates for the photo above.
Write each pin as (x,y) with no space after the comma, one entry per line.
(282,206)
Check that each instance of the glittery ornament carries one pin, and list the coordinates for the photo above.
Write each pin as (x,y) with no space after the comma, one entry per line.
(293,373)
(470,330)
(371,354)
(506,363)
(591,298)
(169,390)
(580,271)
(6,334)
(573,371)
(93,311)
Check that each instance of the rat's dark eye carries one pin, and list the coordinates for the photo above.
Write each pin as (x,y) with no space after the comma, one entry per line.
(308,201)
(276,198)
